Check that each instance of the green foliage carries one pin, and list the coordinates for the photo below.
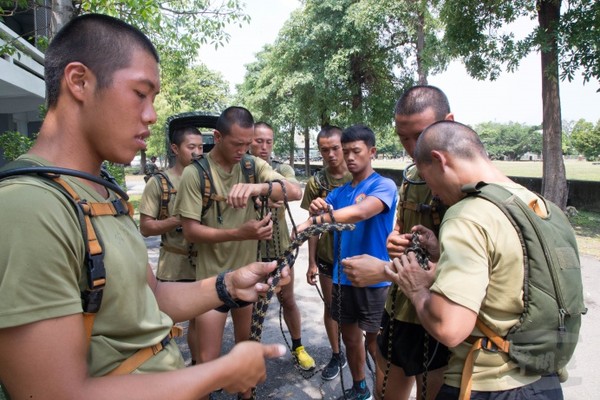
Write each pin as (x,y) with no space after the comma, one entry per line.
(586,139)
(341,63)
(509,141)
(13,144)
(178,27)
(196,89)
(117,171)
(477,32)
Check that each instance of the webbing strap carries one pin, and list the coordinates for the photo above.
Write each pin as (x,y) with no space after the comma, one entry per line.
(141,356)
(117,207)
(177,250)
(96,273)
(93,245)
(166,191)
(88,324)
(491,342)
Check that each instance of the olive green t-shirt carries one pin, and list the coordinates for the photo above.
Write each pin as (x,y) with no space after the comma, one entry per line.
(409,195)
(41,258)
(281,232)
(316,189)
(214,258)
(172,265)
(481,268)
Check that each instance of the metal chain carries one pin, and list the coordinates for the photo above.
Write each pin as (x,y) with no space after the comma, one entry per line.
(287,258)
(339,306)
(423,260)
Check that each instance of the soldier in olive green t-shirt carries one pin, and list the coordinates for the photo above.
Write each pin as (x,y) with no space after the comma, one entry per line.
(226,234)
(262,147)
(102,76)
(176,257)
(479,272)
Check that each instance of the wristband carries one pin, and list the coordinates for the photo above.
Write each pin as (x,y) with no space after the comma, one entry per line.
(330,209)
(222,292)
(314,220)
(322,219)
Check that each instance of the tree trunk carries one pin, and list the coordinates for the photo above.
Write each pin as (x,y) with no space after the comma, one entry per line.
(292,144)
(421,72)
(554,181)
(306,152)
(62,12)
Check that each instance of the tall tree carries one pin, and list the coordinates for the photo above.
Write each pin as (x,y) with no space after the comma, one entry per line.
(412,31)
(567,42)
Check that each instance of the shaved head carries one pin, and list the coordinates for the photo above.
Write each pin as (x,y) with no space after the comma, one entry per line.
(451,137)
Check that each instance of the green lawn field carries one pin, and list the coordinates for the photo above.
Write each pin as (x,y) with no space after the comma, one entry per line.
(576,170)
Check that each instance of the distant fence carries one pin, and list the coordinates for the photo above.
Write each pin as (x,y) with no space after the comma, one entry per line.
(583,195)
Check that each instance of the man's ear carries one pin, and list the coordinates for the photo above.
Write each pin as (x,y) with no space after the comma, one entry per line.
(217,135)
(76,80)
(174,148)
(439,157)
(373,151)
(449,117)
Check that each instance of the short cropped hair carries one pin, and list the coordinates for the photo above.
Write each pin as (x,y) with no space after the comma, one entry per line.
(419,98)
(359,132)
(449,136)
(103,44)
(328,131)
(234,115)
(263,124)
(179,134)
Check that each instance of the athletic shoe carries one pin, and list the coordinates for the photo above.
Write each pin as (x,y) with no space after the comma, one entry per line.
(353,394)
(305,361)
(332,369)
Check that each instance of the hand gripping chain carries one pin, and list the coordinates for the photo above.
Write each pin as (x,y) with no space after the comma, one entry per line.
(423,260)
(287,258)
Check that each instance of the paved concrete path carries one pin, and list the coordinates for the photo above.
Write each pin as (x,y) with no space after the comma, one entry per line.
(284,381)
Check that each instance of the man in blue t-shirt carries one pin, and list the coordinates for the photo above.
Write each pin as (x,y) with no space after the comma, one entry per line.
(369,201)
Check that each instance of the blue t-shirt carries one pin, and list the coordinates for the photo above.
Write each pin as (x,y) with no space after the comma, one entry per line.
(370,235)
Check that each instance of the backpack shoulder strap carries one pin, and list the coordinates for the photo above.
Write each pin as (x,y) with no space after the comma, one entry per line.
(248,164)
(207,187)
(95,272)
(322,182)
(167,190)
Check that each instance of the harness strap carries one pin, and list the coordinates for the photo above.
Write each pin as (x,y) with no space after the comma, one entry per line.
(141,356)
(177,250)
(490,342)
(167,191)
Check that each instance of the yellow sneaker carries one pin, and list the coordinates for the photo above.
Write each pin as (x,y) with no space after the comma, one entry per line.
(305,361)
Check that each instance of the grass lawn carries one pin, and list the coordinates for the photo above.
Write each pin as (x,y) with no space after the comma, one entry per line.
(576,170)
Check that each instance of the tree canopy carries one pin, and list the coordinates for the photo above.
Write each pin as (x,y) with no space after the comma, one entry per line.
(567,41)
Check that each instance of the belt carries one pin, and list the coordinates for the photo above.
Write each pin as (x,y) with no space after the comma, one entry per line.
(141,356)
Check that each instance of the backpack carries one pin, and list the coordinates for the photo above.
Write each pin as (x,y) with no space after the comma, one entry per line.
(167,190)
(94,272)
(544,339)
(434,207)
(325,186)
(207,185)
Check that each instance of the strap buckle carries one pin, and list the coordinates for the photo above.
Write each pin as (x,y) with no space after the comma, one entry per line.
(488,345)
(120,208)
(91,300)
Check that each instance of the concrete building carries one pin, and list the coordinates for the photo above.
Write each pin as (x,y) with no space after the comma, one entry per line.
(22,87)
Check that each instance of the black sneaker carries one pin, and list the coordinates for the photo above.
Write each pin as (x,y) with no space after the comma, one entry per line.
(332,369)
(353,394)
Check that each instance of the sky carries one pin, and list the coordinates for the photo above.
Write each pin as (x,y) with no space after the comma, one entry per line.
(514,97)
